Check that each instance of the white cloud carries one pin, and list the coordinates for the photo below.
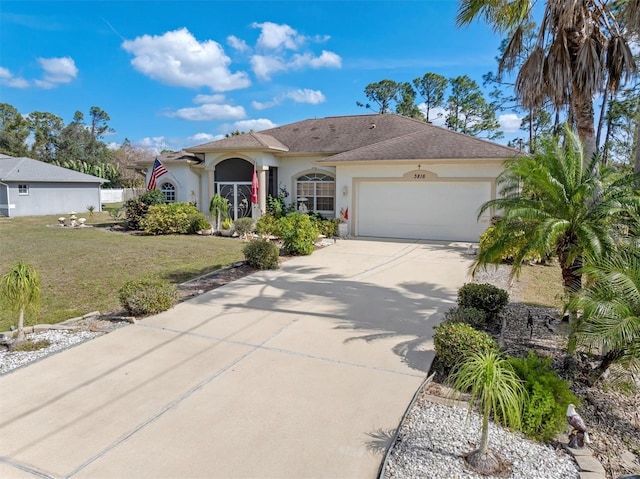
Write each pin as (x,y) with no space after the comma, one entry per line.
(263,66)
(264,105)
(238,44)
(509,122)
(325,60)
(210,111)
(276,36)
(8,79)
(113,146)
(178,59)
(312,97)
(209,98)
(156,143)
(200,138)
(258,124)
(56,71)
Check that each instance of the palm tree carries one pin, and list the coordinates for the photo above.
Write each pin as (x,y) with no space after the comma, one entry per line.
(580,51)
(610,306)
(553,205)
(498,391)
(20,288)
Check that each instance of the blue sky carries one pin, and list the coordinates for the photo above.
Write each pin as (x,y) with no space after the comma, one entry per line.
(176,74)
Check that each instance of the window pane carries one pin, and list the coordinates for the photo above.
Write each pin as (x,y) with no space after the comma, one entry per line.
(324,203)
(326,189)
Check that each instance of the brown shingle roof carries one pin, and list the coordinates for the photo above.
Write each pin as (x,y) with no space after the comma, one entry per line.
(244,141)
(430,143)
(364,138)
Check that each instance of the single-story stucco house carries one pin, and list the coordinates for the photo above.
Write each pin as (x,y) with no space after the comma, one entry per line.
(30,187)
(398,177)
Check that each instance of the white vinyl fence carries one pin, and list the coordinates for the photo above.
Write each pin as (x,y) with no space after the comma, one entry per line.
(119,195)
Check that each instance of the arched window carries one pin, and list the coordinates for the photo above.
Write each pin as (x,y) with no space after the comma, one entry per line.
(320,191)
(169,192)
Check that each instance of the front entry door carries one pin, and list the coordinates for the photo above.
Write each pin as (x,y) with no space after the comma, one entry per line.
(238,194)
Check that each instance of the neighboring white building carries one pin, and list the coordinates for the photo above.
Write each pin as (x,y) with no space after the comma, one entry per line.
(30,187)
(398,177)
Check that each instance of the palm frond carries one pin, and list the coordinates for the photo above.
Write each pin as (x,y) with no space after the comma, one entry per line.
(619,61)
(530,80)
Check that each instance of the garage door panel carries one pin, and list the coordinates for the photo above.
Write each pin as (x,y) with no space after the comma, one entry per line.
(430,210)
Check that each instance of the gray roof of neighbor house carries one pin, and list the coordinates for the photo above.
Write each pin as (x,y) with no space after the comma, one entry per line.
(368,137)
(27,169)
(168,157)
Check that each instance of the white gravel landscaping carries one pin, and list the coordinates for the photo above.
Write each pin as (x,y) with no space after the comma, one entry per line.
(60,339)
(434,439)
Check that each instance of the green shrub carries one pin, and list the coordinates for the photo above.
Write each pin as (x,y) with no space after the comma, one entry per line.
(268,225)
(137,208)
(298,234)
(490,299)
(544,413)
(261,254)
(243,226)
(198,222)
(474,317)
(146,296)
(226,224)
(276,205)
(169,218)
(454,342)
(487,241)
(325,227)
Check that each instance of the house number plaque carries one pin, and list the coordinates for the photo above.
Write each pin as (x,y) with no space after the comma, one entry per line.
(420,175)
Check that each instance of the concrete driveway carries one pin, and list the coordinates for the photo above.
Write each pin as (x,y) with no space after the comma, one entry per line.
(303,372)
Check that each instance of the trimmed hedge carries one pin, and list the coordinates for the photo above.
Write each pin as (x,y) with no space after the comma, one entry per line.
(170,218)
(454,342)
(490,299)
(146,296)
(261,254)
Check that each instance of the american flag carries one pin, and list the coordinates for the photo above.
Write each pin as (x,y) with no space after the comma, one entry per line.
(157,172)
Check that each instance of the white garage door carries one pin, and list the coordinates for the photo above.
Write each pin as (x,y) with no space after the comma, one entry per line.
(421,210)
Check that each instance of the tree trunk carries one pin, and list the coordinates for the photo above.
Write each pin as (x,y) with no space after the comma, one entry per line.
(20,335)
(607,360)
(482,460)
(584,118)
(531,147)
(636,163)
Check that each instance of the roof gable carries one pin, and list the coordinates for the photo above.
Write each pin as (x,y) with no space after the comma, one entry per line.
(27,169)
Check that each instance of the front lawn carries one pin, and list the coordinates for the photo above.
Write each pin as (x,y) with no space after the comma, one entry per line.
(83,268)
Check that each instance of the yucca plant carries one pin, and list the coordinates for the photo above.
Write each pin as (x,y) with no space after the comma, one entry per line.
(20,288)
(497,391)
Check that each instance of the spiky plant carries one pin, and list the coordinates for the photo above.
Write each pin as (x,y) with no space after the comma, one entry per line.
(20,288)
(497,392)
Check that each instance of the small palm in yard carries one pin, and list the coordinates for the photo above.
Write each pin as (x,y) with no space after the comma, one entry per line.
(497,391)
(554,204)
(610,306)
(20,288)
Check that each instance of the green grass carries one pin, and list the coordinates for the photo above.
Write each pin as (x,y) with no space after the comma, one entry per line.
(82,269)
(541,285)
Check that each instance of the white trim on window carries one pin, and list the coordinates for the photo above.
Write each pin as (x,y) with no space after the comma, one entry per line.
(23,189)
(319,188)
(169,191)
